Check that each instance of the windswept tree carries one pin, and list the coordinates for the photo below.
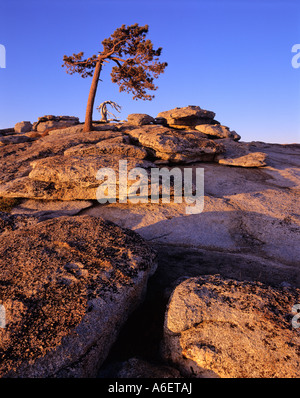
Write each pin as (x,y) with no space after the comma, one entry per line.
(136,65)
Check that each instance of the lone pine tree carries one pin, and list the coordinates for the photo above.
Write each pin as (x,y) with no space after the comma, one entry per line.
(137,65)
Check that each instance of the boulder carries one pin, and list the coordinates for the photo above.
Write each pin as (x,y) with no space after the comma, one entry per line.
(51,121)
(57,118)
(217,131)
(238,154)
(67,286)
(217,327)
(170,145)
(140,119)
(23,127)
(256,159)
(186,117)
(51,124)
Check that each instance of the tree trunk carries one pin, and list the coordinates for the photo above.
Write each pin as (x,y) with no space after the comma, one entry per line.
(90,104)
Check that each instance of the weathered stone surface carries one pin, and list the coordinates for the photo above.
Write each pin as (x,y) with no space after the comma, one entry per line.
(57,118)
(15,158)
(140,119)
(173,146)
(75,170)
(237,154)
(217,131)
(60,140)
(9,223)
(115,146)
(68,131)
(248,230)
(188,116)
(68,285)
(49,209)
(14,139)
(34,134)
(25,187)
(42,126)
(51,121)
(216,327)
(248,213)
(23,127)
(256,159)
(67,177)
(66,170)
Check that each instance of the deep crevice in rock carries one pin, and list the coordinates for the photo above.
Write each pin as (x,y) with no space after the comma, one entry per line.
(142,335)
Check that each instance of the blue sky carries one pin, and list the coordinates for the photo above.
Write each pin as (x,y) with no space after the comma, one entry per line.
(231,57)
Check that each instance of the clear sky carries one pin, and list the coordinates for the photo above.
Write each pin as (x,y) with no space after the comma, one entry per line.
(230,57)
